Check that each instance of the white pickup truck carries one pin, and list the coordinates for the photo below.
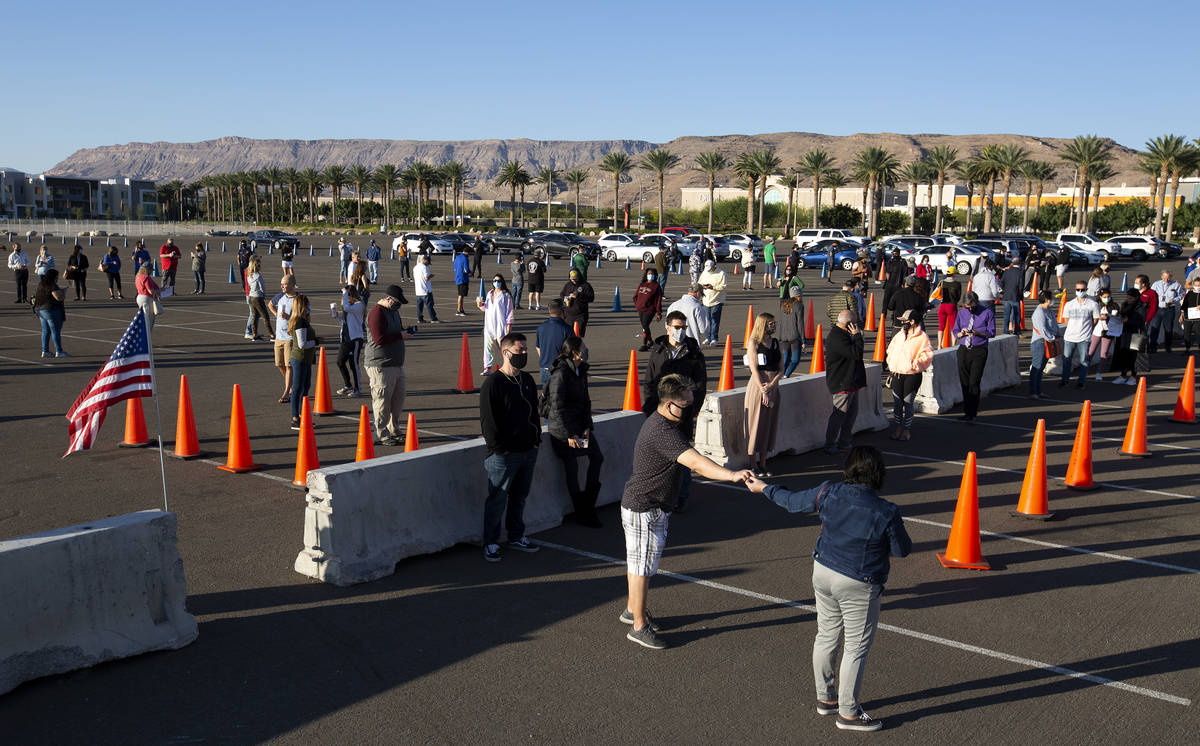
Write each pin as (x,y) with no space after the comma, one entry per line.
(807,236)
(1088,243)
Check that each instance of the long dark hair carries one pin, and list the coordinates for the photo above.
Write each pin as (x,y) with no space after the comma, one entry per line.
(503,284)
(571,347)
(864,465)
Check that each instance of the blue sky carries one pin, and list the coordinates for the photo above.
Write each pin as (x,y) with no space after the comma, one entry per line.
(101,73)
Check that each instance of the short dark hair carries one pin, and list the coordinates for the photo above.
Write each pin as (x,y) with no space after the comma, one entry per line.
(864,465)
(1045,295)
(510,339)
(555,306)
(673,386)
(1144,279)
(676,316)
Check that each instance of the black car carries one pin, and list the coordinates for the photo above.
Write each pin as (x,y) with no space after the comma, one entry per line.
(260,241)
(560,244)
(459,241)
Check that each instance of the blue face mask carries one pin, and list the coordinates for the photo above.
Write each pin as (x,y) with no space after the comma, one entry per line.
(497,284)
(651,278)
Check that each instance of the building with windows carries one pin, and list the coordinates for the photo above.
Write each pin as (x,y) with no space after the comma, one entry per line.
(71,197)
(696,198)
(16,194)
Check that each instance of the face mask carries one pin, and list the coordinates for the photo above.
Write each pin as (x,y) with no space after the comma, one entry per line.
(1080,293)
(1137,286)
(518,359)
(676,334)
(651,278)
(1105,299)
(497,284)
(771,328)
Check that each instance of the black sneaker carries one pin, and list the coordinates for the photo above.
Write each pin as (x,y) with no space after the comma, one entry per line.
(523,544)
(646,638)
(827,708)
(491,553)
(388,440)
(295,423)
(862,721)
(627,618)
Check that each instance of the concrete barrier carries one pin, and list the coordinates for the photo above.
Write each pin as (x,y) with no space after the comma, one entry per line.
(362,518)
(940,389)
(804,407)
(85,594)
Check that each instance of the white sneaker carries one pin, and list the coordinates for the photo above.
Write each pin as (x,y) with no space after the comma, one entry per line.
(1131,382)
(1118,379)
(1098,378)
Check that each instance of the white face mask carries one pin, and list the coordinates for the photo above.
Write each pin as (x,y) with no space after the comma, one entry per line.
(676,334)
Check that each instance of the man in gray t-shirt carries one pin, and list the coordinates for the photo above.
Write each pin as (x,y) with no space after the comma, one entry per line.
(660,455)
(281,308)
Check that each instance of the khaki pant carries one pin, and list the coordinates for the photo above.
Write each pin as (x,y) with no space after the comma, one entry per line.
(387,399)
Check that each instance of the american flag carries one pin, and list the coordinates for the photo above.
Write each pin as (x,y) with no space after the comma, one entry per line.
(126,375)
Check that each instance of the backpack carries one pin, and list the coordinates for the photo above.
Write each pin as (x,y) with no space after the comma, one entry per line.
(544,401)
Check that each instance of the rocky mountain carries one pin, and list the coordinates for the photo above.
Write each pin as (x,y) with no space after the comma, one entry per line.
(163,161)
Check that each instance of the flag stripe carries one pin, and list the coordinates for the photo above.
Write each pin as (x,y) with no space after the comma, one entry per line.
(126,375)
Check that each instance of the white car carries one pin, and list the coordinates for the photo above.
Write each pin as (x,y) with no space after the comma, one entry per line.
(615,241)
(917,242)
(1088,242)
(967,259)
(1140,247)
(739,243)
(440,245)
(948,238)
(806,236)
(641,249)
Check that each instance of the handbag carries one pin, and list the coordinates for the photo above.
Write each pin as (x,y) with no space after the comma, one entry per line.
(1054,348)
(1137,341)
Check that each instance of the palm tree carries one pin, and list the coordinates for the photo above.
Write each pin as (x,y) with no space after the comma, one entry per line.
(291,177)
(311,180)
(423,176)
(1161,151)
(658,162)
(913,173)
(1184,164)
(387,175)
(576,177)
(710,164)
(510,176)
(1042,172)
(878,167)
(746,167)
(793,181)
(1085,152)
(456,176)
(1098,173)
(1028,171)
(335,177)
(768,164)
(833,180)
(359,175)
(989,162)
(1149,167)
(273,175)
(943,159)
(815,164)
(1008,158)
(619,165)
(548,177)
(968,171)
(523,181)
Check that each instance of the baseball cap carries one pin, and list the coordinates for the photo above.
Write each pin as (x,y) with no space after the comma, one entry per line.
(397,292)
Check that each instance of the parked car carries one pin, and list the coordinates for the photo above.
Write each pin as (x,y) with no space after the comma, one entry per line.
(459,241)
(507,239)
(1006,248)
(615,240)
(560,244)
(266,239)
(641,249)
(966,258)
(806,236)
(951,239)
(739,243)
(677,231)
(1088,242)
(412,242)
(917,242)
(720,246)
(1145,246)
(816,256)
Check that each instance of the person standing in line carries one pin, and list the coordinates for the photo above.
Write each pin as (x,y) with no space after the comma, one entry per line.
(512,433)
(256,298)
(479,251)
(577,295)
(831,250)
(647,299)
(77,268)
(350,338)
(1169,294)
(924,270)
(712,280)
(345,252)
(18,262)
(661,456)
(44,262)
(1033,268)
(551,334)
(1063,263)
(1081,314)
(373,255)
(199,265)
(952,292)
(148,293)
(140,256)
(110,265)
(696,261)
(974,325)
(843,300)
(287,257)
(769,281)
(662,266)
(693,312)
(895,270)
(359,280)
(909,355)
(1012,283)
(790,280)
(244,253)
(497,309)
(425,246)
(383,357)
(1046,334)
(1105,334)
(572,436)
(423,285)
(281,308)
(536,270)
(791,331)
(985,284)
(400,248)
(761,401)
(907,299)
(49,302)
(850,569)
(1130,358)
(1094,282)
(748,268)
(169,255)
(579,263)
(462,279)
(845,377)
(1189,315)
(517,268)
(1149,300)
(302,356)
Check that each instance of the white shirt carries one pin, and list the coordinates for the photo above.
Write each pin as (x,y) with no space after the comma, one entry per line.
(354,316)
(424,285)
(1080,313)
(18,260)
(716,278)
(985,286)
(283,308)
(697,317)
(1169,293)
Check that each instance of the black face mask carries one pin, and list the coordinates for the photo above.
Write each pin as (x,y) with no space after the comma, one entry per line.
(519,359)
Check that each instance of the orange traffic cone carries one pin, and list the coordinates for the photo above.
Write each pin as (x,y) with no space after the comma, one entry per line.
(240,459)
(726,381)
(947,337)
(870,313)
(1062,306)
(1033,289)
(412,439)
(366,444)
(466,381)
(187,445)
(1079,470)
(1033,501)
(810,323)
(324,404)
(880,341)
(882,265)
(970,284)
(749,325)
(633,392)
(963,549)
(1135,432)
(818,354)
(306,447)
(1185,405)
(937,293)
(735,269)
(1022,326)
(135,425)
(575,329)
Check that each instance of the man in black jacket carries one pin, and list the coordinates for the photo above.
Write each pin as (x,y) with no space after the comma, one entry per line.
(676,353)
(576,295)
(512,430)
(479,248)
(895,270)
(845,375)
(906,299)
(1012,285)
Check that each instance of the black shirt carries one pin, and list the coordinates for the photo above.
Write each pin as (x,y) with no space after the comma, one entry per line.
(537,271)
(654,482)
(508,413)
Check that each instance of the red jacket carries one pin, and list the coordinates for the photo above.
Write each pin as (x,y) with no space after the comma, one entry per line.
(648,298)
(1150,298)
(170,257)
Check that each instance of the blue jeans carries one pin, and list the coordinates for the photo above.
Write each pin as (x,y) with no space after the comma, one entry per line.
(545,376)
(52,321)
(714,321)
(516,294)
(1012,316)
(250,318)
(423,302)
(373,271)
(1037,366)
(1075,353)
(301,377)
(791,357)
(509,478)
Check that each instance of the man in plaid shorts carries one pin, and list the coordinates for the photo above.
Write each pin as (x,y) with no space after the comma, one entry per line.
(661,455)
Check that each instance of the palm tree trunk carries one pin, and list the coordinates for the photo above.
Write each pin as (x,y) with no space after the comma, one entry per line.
(937,221)
(787,223)
(865,213)
(751,183)
(1158,206)
(1004,215)
(988,196)
(817,199)
(1154,192)
(711,189)
(762,203)
(577,206)
(616,199)
(970,197)
(1171,206)
(660,203)
(1028,194)
(512,204)
(912,209)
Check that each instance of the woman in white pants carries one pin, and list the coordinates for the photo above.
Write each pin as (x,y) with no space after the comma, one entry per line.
(497,307)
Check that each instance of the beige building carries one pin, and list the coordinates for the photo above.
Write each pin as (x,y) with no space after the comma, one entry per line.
(696,198)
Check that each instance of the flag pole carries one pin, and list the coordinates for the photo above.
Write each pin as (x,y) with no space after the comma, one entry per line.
(162,463)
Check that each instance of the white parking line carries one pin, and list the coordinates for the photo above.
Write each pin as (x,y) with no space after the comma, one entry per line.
(1007,657)
(157,348)
(261,474)
(984,423)
(1095,404)
(27,362)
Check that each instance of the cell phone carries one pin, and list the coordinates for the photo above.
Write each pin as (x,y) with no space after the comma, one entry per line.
(411,330)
